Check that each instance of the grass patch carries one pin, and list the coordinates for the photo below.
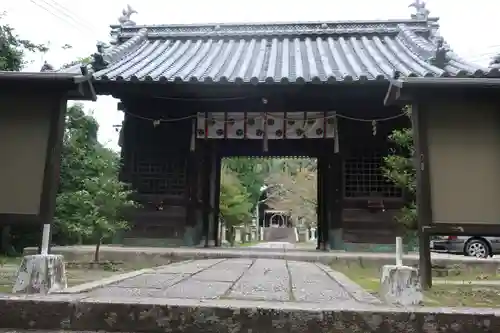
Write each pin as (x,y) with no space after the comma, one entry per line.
(5,289)
(76,272)
(247,244)
(463,295)
(4,260)
(467,294)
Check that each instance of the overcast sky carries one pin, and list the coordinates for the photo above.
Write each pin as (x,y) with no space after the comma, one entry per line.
(470,27)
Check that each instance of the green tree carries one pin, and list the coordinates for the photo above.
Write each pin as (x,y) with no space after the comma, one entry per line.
(399,167)
(13,48)
(91,199)
(235,206)
(79,61)
(251,172)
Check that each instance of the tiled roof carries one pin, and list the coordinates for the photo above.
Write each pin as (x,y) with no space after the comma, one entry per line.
(282,53)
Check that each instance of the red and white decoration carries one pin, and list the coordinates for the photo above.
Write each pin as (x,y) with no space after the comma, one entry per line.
(251,125)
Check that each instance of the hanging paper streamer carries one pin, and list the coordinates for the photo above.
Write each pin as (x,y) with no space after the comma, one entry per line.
(292,125)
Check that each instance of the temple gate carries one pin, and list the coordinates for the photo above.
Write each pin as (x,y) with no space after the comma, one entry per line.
(193,94)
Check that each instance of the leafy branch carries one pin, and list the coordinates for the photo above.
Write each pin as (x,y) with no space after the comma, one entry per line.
(13,48)
(399,168)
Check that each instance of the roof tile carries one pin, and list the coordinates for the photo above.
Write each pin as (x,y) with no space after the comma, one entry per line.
(280,53)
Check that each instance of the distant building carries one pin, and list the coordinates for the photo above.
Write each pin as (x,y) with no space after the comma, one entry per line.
(277,218)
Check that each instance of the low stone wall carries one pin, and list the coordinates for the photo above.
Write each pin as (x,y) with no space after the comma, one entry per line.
(163,256)
(64,312)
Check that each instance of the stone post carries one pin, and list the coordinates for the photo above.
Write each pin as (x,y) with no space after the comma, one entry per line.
(41,274)
(223,232)
(313,235)
(400,284)
(237,235)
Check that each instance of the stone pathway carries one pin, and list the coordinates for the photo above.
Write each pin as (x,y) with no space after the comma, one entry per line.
(231,296)
(274,245)
(240,279)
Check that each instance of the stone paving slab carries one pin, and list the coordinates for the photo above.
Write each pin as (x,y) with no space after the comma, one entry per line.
(311,286)
(266,279)
(239,279)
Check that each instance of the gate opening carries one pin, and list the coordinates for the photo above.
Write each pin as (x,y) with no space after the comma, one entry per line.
(268,199)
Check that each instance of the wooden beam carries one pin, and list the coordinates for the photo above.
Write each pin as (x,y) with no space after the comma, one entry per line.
(424,207)
(22,219)
(50,183)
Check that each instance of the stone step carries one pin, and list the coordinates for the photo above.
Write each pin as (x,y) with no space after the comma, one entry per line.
(6,330)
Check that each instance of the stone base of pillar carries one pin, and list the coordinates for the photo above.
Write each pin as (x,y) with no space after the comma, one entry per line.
(336,239)
(41,274)
(400,285)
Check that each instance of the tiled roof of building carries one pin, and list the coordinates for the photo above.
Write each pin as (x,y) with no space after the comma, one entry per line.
(282,53)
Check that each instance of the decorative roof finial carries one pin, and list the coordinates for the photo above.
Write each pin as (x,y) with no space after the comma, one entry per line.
(439,59)
(98,62)
(126,14)
(421,13)
(46,67)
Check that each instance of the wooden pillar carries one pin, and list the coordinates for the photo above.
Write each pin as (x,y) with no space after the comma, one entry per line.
(212,196)
(424,208)
(325,201)
(196,151)
(193,175)
(319,197)
(192,197)
(52,167)
(318,230)
(207,210)
(322,187)
(335,227)
(216,201)
(326,187)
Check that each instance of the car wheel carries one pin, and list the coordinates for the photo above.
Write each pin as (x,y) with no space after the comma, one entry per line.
(477,248)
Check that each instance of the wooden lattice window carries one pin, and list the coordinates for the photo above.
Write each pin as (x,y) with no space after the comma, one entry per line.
(363,178)
(159,174)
